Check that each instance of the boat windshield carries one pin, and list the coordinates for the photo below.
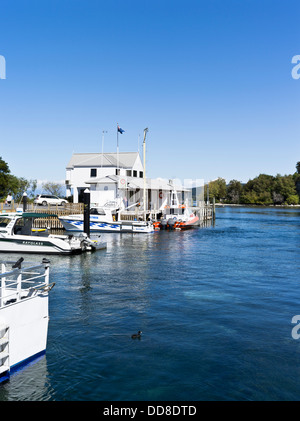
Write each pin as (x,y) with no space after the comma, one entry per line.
(23,226)
(97,211)
(4,222)
(177,211)
(112,204)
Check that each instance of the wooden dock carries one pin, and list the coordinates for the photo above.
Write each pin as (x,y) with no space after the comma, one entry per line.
(205,213)
(51,222)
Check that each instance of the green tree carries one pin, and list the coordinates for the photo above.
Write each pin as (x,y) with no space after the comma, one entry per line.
(284,187)
(259,190)
(298,167)
(217,189)
(293,200)
(234,190)
(19,185)
(4,177)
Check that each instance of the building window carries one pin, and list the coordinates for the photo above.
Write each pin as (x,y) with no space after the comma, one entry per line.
(93,172)
(128,173)
(117,172)
(134,173)
(141,174)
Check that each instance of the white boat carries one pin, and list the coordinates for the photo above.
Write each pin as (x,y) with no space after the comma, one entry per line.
(106,219)
(177,216)
(17,235)
(23,314)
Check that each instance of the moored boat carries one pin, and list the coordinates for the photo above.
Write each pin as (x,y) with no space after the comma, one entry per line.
(106,218)
(177,216)
(23,314)
(17,235)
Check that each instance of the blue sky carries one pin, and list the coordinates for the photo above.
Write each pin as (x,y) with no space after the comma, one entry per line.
(210,79)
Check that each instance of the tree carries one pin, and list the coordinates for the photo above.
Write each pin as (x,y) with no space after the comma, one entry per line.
(259,190)
(298,167)
(293,200)
(53,188)
(4,176)
(284,186)
(217,189)
(234,190)
(19,185)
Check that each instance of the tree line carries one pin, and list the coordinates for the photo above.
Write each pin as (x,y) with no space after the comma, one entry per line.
(262,190)
(17,186)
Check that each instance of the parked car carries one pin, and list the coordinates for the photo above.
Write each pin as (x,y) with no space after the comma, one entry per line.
(49,199)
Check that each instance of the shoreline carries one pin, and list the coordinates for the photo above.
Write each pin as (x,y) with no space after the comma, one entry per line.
(254,206)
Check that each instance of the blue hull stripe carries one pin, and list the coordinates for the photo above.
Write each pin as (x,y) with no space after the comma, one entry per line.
(19,366)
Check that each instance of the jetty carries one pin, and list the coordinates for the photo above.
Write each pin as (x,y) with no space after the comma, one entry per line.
(204,211)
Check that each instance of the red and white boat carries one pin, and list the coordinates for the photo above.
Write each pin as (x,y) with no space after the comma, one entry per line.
(177,216)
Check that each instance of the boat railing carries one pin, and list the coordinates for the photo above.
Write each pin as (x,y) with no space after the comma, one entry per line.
(20,283)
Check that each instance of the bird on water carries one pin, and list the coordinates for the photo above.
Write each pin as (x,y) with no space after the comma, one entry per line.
(136,335)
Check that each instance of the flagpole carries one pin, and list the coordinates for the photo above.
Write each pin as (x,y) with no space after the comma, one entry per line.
(117,147)
(103,131)
(144,150)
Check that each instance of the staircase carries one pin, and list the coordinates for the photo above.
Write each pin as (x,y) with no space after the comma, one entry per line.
(4,349)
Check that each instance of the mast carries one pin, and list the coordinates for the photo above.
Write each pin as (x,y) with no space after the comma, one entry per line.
(144,173)
(117,148)
(103,131)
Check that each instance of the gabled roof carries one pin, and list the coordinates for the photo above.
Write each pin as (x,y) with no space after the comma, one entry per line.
(126,160)
(138,183)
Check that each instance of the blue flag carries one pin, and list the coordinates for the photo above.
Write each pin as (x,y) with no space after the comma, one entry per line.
(120,130)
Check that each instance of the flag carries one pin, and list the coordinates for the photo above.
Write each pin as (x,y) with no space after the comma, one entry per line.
(120,130)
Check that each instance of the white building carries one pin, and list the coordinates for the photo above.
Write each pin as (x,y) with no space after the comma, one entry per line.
(112,175)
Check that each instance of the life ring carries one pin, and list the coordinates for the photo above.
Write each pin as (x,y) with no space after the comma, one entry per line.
(161,195)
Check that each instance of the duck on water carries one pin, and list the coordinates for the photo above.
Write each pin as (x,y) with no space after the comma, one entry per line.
(137,335)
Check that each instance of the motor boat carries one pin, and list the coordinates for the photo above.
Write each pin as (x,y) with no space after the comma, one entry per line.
(17,235)
(24,314)
(106,218)
(177,216)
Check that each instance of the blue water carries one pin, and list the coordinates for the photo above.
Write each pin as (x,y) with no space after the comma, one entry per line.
(214,304)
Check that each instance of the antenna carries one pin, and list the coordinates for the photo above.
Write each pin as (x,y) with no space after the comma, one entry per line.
(103,131)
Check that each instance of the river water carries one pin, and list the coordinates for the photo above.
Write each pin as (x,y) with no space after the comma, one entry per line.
(215,307)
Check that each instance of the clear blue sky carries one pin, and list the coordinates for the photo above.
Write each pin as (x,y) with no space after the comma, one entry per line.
(211,79)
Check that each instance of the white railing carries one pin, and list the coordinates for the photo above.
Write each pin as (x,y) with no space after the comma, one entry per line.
(20,283)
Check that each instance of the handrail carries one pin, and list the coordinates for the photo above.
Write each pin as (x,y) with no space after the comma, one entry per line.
(13,290)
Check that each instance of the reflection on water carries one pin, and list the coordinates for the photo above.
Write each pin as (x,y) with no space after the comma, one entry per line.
(28,384)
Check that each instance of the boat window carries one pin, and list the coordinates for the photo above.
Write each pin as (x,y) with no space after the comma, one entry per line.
(98,211)
(4,222)
(23,226)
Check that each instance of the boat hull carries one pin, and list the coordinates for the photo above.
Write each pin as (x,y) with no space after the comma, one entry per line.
(24,314)
(178,225)
(28,244)
(29,338)
(70,224)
